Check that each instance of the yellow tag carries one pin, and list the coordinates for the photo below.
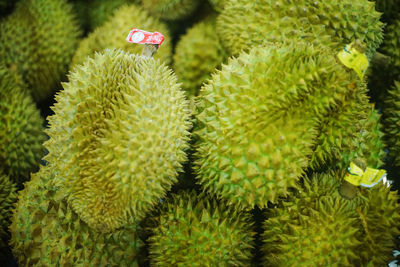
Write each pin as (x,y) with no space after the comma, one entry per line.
(354,174)
(353,59)
(369,178)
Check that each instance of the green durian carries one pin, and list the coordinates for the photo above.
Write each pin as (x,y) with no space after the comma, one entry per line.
(171,9)
(197,54)
(99,11)
(391,122)
(45,231)
(193,230)
(372,147)
(8,195)
(118,137)
(348,132)
(80,8)
(113,34)
(218,5)
(390,48)
(243,23)
(21,128)
(316,226)
(256,119)
(389,8)
(38,40)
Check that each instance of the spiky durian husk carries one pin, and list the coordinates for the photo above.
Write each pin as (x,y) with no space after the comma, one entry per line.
(171,9)
(352,130)
(112,35)
(218,5)
(21,130)
(118,137)
(252,142)
(38,40)
(318,227)
(390,47)
(391,122)
(371,145)
(198,54)
(8,195)
(45,231)
(243,23)
(99,11)
(390,9)
(194,230)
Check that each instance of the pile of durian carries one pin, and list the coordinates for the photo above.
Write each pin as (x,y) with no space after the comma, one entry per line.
(229,147)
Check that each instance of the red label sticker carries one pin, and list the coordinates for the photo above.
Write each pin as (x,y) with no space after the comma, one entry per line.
(137,36)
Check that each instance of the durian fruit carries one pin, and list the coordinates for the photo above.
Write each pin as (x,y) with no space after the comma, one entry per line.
(390,48)
(389,8)
(218,5)
(80,8)
(386,67)
(171,9)
(245,23)
(197,54)
(113,34)
(256,119)
(193,230)
(118,137)
(372,147)
(21,130)
(350,131)
(316,226)
(38,40)
(8,195)
(99,11)
(45,231)
(391,122)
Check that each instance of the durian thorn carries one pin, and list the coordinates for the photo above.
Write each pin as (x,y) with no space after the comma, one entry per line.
(365,225)
(149,50)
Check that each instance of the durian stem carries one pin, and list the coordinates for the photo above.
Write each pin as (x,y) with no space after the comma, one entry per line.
(149,50)
(347,190)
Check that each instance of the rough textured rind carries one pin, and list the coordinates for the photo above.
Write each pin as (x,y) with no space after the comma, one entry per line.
(8,195)
(391,123)
(99,11)
(243,23)
(350,131)
(318,227)
(197,55)
(196,230)
(390,48)
(21,130)
(38,40)
(256,119)
(171,9)
(218,5)
(114,32)
(47,232)
(118,137)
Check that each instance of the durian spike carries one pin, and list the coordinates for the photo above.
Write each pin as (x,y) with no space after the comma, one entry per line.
(149,50)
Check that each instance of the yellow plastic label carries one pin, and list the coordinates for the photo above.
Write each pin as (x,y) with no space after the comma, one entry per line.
(368,178)
(353,59)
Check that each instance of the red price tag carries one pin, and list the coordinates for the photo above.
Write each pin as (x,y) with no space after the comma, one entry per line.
(137,36)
